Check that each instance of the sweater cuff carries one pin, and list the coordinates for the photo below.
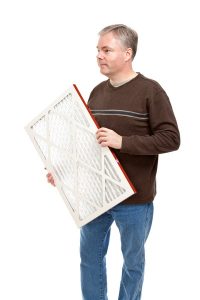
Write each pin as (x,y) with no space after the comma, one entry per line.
(125,143)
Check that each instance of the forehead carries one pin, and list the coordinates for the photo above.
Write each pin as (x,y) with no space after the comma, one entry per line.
(108,40)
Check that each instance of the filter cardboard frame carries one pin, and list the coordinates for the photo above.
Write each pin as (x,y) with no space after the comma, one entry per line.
(88,177)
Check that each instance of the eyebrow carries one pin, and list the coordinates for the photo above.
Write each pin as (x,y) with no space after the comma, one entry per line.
(105,47)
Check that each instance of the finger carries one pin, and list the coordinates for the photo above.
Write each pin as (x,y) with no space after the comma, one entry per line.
(102,129)
(52,181)
(102,139)
(49,175)
(104,144)
(49,180)
(101,134)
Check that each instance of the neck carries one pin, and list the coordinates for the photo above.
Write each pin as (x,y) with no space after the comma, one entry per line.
(122,78)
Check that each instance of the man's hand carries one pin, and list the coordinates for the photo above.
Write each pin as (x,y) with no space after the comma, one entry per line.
(108,138)
(50,179)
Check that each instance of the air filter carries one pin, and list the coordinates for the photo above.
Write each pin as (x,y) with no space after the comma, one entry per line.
(89,177)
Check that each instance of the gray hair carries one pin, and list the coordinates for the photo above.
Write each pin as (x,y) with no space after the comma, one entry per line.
(125,34)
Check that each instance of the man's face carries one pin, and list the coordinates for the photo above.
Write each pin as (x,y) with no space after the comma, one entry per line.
(111,55)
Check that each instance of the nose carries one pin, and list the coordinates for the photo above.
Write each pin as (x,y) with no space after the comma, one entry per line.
(99,55)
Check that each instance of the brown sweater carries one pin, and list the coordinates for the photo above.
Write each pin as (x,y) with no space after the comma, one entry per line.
(141,113)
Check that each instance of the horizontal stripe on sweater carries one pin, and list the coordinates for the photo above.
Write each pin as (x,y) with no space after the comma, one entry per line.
(125,113)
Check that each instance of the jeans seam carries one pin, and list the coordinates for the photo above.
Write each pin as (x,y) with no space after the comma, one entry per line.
(101,267)
(146,222)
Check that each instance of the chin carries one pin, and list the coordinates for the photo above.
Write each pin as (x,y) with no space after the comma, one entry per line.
(104,73)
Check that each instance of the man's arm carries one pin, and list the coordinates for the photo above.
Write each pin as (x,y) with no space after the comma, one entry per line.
(164,135)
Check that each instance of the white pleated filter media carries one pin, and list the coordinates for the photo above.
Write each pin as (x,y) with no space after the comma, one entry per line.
(89,177)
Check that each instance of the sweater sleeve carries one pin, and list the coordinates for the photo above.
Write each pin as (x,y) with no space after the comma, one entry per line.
(164,134)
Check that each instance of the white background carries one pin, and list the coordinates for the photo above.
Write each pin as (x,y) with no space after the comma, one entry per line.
(45,47)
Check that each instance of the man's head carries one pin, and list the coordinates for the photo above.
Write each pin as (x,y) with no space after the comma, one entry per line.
(117,47)
(127,36)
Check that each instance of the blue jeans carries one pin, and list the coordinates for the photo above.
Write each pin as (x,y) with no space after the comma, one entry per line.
(134,223)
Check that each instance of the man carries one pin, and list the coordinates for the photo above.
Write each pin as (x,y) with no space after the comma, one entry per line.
(138,123)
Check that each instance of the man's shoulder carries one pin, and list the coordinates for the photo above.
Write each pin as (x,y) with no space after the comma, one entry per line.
(150,83)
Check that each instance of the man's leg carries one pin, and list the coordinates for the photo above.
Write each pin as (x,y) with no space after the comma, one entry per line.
(134,223)
(93,248)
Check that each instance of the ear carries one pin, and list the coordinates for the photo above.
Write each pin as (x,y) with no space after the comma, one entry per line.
(128,54)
